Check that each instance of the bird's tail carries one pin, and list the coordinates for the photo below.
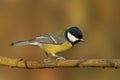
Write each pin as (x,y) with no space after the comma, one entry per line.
(19,43)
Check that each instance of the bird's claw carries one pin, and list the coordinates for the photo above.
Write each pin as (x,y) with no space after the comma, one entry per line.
(53,58)
(47,60)
(59,58)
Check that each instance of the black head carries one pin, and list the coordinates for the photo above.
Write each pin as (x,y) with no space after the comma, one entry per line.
(73,35)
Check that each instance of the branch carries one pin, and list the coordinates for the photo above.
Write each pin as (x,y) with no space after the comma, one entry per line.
(20,63)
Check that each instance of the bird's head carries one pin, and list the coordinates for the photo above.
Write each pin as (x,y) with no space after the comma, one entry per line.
(74,35)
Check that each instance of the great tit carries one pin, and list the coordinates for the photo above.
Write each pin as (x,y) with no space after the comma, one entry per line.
(56,42)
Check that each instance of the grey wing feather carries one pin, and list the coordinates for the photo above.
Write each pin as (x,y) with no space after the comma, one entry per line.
(59,37)
(36,41)
(42,39)
(50,38)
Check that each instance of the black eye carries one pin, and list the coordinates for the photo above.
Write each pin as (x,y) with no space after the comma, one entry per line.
(73,33)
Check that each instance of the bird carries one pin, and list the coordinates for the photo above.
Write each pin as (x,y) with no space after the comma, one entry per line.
(55,42)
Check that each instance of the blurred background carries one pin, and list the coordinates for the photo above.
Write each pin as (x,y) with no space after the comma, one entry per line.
(99,20)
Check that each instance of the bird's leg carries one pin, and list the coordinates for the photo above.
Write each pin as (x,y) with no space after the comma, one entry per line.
(58,57)
(46,59)
(46,54)
(53,57)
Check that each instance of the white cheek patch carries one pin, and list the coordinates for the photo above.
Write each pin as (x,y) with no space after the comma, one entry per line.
(71,37)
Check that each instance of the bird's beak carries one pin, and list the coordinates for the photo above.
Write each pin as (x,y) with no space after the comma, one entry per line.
(82,40)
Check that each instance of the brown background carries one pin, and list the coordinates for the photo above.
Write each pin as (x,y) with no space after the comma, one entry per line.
(99,21)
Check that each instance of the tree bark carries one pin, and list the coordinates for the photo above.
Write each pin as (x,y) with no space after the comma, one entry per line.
(98,63)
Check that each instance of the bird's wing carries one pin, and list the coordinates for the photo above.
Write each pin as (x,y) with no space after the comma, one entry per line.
(51,38)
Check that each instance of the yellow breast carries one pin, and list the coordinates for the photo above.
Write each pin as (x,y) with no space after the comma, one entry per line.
(52,48)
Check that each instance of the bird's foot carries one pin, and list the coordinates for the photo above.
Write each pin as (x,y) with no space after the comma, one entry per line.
(54,58)
(48,59)
(59,58)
